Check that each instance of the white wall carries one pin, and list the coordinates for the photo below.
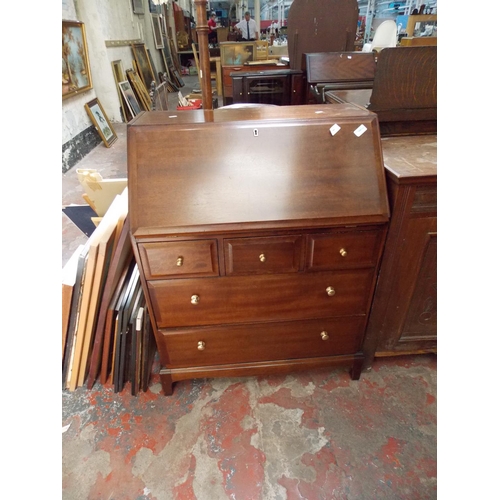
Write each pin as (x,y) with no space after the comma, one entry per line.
(109,20)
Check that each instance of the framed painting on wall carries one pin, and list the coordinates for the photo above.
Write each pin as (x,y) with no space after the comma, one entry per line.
(101,122)
(156,21)
(138,6)
(143,65)
(75,59)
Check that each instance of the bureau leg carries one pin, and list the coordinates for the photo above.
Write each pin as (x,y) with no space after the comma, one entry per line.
(166,382)
(357,366)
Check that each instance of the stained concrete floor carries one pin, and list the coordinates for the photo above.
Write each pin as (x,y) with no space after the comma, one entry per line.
(312,435)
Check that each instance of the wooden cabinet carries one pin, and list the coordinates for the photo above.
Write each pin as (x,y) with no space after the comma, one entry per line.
(227,80)
(278,87)
(403,318)
(260,254)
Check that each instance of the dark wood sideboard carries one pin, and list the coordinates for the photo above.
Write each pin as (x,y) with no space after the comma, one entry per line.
(278,87)
(258,255)
(403,319)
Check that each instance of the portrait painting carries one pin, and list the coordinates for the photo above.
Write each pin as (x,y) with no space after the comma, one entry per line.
(75,61)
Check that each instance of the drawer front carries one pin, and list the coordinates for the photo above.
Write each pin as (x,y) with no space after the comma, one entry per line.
(343,250)
(282,297)
(179,259)
(260,342)
(281,254)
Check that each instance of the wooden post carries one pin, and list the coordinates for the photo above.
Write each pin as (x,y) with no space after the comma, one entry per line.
(204,53)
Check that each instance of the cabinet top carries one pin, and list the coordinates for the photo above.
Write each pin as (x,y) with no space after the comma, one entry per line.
(250,167)
(408,158)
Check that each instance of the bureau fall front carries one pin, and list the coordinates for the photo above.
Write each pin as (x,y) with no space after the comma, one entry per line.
(258,234)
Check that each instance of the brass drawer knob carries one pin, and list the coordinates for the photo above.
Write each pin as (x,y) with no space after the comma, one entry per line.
(343,252)
(330,291)
(262,257)
(201,345)
(324,336)
(180,261)
(195,299)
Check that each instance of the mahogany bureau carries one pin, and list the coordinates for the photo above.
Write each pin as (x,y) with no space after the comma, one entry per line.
(258,234)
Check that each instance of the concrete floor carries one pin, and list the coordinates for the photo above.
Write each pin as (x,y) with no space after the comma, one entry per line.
(312,435)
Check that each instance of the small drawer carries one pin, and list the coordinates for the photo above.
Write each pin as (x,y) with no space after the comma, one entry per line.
(280,254)
(343,250)
(188,347)
(180,259)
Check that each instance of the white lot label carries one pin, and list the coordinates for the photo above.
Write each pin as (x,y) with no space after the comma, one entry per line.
(334,129)
(360,130)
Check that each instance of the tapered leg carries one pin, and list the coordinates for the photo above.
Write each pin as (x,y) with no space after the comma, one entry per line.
(357,367)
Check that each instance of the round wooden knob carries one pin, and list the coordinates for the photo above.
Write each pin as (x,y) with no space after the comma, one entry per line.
(195,299)
(330,291)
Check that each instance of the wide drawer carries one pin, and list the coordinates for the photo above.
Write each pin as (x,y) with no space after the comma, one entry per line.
(343,249)
(179,259)
(242,299)
(260,342)
(278,254)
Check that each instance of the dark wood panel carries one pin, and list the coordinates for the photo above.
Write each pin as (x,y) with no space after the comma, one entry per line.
(320,26)
(337,68)
(260,298)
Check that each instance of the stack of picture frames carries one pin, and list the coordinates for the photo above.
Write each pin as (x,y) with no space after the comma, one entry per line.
(107,332)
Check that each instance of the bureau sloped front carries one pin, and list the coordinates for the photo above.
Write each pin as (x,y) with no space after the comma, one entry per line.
(244,299)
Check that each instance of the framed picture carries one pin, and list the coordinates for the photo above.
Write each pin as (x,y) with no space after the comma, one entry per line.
(138,6)
(143,65)
(119,75)
(101,122)
(156,21)
(75,59)
(232,53)
(129,97)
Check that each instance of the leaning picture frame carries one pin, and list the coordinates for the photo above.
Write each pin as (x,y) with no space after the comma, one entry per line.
(129,97)
(143,64)
(76,76)
(157,31)
(101,122)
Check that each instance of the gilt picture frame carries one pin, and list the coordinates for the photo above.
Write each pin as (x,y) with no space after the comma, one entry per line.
(101,122)
(143,64)
(76,77)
